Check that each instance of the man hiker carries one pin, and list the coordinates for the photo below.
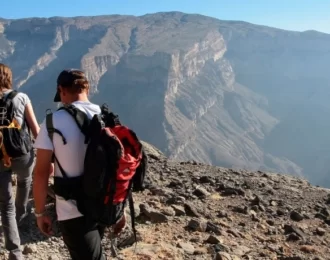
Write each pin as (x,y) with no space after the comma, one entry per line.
(81,235)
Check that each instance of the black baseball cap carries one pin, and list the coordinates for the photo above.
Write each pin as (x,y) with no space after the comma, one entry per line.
(66,79)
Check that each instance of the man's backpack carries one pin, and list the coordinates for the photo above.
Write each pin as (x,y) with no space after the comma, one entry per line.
(14,140)
(114,165)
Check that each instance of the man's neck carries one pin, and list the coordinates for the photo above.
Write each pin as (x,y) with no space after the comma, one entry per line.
(80,97)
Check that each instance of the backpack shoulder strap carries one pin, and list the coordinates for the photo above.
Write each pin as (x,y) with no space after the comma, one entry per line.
(51,130)
(8,103)
(80,118)
(11,96)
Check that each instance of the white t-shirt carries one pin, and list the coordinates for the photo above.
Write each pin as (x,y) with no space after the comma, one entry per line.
(70,155)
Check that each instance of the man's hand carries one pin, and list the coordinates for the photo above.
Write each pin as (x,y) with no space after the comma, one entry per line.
(45,225)
(40,188)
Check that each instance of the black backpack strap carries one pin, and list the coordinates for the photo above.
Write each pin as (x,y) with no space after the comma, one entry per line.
(11,96)
(51,130)
(80,118)
(7,101)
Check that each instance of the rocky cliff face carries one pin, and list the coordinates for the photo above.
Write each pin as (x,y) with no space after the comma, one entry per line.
(225,93)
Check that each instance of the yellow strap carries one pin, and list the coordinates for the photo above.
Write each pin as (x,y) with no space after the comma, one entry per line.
(6,159)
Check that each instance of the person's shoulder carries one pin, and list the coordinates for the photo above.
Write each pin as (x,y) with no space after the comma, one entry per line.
(95,107)
(87,106)
(59,113)
(22,96)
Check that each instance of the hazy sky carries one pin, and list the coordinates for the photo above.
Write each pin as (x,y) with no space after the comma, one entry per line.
(287,14)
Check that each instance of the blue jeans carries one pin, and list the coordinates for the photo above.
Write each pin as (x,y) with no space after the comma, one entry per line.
(12,213)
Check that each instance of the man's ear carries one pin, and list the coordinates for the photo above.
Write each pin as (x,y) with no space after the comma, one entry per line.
(62,90)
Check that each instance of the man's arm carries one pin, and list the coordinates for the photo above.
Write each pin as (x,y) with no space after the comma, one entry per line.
(41,176)
(44,148)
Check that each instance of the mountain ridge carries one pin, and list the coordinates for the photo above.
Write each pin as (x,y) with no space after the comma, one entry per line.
(164,13)
(220,92)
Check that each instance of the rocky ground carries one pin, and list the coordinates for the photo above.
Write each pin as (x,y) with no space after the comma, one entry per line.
(195,211)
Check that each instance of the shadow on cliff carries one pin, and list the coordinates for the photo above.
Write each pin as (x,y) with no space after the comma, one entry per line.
(137,96)
(42,86)
(30,44)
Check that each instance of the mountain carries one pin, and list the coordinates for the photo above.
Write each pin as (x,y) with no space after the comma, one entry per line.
(199,212)
(225,93)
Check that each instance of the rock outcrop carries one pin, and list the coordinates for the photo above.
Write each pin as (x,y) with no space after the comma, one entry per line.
(225,93)
(196,211)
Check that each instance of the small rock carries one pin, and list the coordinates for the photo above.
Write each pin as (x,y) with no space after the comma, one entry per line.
(29,249)
(280,212)
(293,237)
(325,212)
(256,201)
(296,216)
(232,191)
(273,203)
(196,239)
(213,228)
(179,211)
(160,191)
(320,216)
(270,222)
(308,249)
(168,211)
(153,215)
(144,208)
(292,229)
(233,232)
(320,231)
(53,257)
(197,225)
(223,256)
(206,179)
(241,250)
(129,240)
(220,248)
(252,212)
(201,193)
(213,240)
(255,208)
(157,217)
(200,251)
(222,214)
(290,258)
(327,200)
(154,156)
(241,210)
(255,218)
(188,248)
(191,210)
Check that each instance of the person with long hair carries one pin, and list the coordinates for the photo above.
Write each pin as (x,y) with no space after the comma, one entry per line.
(17,122)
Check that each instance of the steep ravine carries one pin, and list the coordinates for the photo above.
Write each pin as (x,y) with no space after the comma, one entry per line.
(228,93)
